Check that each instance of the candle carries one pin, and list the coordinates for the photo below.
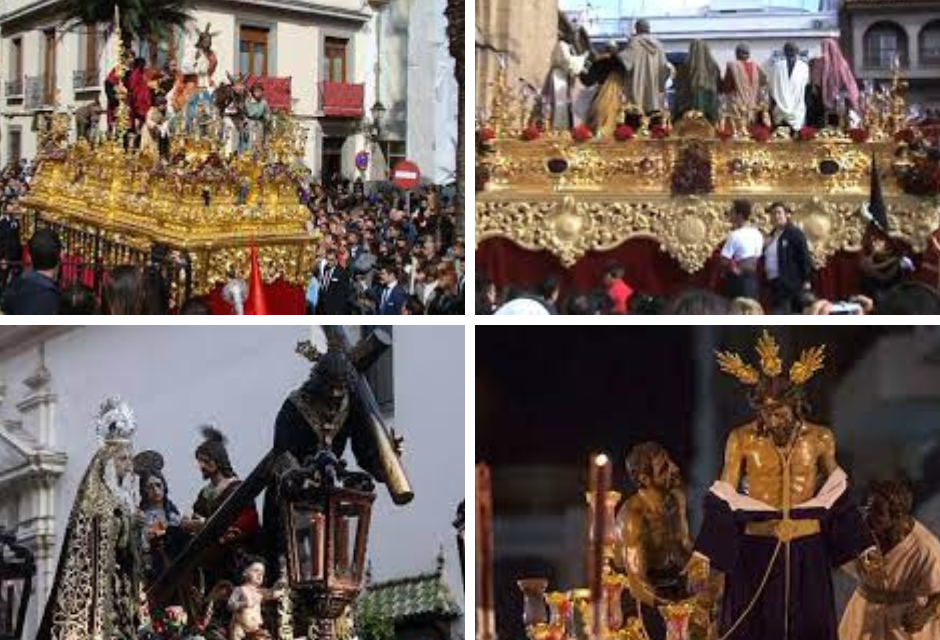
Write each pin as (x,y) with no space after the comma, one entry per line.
(486,614)
(600,473)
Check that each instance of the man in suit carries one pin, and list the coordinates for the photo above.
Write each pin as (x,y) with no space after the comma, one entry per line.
(335,291)
(392,295)
(787,262)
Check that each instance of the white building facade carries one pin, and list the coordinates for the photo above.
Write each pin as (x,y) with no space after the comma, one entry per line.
(341,57)
(54,379)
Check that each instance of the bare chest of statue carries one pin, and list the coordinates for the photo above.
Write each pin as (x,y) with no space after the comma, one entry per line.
(772,474)
(663,542)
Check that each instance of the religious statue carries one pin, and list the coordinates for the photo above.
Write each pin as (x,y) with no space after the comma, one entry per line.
(654,545)
(569,60)
(195,83)
(647,69)
(155,133)
(257,121)
(96,589)
(789,77)
(782,515)
(607,78)
(161,534)
(230,99)
(698,89)
(240,538)
(333,408)
(245,604)
(742,82)
(833,88)
(904,603)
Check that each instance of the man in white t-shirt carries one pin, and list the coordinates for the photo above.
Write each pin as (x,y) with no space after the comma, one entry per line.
(741,253)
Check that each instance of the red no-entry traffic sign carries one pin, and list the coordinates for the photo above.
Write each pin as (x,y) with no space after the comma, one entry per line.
(406,175)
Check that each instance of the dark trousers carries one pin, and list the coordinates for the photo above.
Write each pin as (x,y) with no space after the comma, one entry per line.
(783,299)
(742,285)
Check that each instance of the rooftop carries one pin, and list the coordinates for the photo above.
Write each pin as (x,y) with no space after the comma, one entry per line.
(411,598)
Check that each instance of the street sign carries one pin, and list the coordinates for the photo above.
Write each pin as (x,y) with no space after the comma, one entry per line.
(406,175)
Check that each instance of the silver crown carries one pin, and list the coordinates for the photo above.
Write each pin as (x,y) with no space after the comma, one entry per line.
(115,422)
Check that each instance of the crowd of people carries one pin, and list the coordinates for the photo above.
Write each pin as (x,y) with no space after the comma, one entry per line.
(759,275)
(378,253)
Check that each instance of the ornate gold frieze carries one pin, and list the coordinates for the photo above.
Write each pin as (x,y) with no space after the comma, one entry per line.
(689,229)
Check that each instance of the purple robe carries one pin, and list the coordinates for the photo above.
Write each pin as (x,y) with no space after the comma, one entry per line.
(807,612)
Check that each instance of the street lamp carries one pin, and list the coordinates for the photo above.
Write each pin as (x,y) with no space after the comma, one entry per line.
(17,568)
(326,518)
(458,525)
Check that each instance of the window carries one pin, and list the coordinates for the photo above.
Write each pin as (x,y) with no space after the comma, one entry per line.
(16,144)
(336,59)
(48,74)
(16,59)
(395,151)
(930,44)
(253,51)
(885,41)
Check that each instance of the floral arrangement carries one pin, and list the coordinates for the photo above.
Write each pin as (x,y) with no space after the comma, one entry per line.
(624,132)
(807,134)
(486,133)
(582,133)
(692,174)
(906,136)
(760,133)
(172,623)
(659,132)
(725,133)
(858,135)
(531,132)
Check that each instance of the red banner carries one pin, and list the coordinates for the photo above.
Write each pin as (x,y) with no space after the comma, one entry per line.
(341,99)
(277,91)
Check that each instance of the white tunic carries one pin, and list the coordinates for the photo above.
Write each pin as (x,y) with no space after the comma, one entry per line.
(913,567)
(789,92)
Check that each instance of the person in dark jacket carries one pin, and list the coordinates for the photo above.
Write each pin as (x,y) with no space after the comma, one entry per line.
(11,247)
(335,288)
(36,291)
(787,262)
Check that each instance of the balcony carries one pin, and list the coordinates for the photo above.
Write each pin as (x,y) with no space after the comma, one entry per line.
(14,88)
(342,100)
(86,80)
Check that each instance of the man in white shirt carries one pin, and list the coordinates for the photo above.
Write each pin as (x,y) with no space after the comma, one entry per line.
(741,253)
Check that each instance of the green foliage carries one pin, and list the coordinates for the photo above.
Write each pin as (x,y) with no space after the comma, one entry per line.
(152,19)
(373,626)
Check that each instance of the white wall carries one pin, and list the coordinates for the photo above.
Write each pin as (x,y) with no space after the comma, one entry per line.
(176,378)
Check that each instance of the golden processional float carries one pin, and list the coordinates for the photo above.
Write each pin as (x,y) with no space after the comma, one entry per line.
(195,216)
(568,193)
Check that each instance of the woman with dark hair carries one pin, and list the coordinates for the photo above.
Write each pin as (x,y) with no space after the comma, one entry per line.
(124,292)
(161,533)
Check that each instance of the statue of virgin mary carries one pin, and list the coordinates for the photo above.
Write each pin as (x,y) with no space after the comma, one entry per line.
(96,593)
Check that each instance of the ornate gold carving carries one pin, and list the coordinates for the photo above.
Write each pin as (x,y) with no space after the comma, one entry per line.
(689,229)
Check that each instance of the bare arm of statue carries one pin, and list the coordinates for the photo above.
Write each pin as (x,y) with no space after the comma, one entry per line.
(827,453)
(634,558)
(731,473)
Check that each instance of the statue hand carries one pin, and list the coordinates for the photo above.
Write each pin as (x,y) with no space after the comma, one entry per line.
(915,618)
(696,572)
(871,567)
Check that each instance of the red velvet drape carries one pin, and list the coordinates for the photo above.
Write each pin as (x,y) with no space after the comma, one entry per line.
(648,269)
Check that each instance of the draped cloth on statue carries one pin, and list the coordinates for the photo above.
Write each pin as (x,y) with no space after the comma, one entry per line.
(647,72)
(913,569)
(607,110)
(96,588)
(704,77)
(797,601)
(567,65)
(789,93)
(743,79)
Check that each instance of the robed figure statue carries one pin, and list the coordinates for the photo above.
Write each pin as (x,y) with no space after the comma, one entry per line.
(96,592)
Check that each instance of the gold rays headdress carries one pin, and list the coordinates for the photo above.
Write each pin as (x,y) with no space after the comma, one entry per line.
(768,382)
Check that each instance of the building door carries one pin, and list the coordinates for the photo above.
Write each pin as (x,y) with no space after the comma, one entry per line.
(253,51)
(332,161)
(335,50)
(49,83)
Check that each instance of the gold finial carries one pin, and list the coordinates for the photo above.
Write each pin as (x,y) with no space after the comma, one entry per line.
(307,349)
(732,364)
(811,361)
(769,352)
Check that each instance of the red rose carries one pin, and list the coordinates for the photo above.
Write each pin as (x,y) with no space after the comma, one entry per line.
(905,135)
(531,132)
(659,132)
(624,132)
(487,133)
(807,134)
(760,133)
(582,133)
(858,135)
